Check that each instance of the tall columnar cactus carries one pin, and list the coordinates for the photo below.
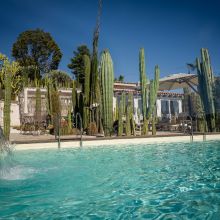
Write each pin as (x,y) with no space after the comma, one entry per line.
(131,116)
(120,119)
(87,65)
(206,88)
(201,122)
(144,91)
(48,84)
(69,120)
(7,105)
(56,110)
(74,96)
(8,78)
(151,110)
(123,100)
(95,94)
(131,101)
(37,105)
(86,113)
(107,83)
(128,120)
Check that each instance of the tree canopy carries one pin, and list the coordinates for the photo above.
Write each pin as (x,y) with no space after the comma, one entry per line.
(37,48)
(77,63)
(119,79)
(60,78)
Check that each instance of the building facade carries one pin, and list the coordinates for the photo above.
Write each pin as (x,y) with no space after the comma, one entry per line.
(168,104)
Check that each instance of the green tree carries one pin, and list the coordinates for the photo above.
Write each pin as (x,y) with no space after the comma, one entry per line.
(77,63)
(37,48)
(60,78)
(121,78)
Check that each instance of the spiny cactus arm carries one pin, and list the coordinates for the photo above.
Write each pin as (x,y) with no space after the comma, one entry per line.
(87,65)
(106,85)
(154,86)
(74,97)
(143,81)
(120,119)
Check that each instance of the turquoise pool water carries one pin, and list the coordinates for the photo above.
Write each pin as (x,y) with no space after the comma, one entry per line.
(163,181)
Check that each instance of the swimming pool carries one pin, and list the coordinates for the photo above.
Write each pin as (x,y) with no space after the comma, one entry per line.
(154,181)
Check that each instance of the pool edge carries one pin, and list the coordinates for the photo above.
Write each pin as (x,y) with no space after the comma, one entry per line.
(103,142)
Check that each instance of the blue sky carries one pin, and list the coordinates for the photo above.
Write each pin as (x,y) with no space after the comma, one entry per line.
(172,32)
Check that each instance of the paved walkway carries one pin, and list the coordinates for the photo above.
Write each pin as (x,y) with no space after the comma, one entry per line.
(22,138)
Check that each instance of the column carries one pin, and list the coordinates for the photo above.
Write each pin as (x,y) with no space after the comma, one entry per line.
(25,100)
(158,104)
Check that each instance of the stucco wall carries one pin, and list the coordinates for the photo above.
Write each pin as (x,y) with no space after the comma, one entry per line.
(15,121)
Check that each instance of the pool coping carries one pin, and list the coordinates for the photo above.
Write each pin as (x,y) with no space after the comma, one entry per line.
(68,143)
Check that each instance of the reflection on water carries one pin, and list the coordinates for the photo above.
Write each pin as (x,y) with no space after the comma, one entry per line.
(162,181)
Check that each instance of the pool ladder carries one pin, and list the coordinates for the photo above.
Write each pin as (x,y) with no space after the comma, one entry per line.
(191,121)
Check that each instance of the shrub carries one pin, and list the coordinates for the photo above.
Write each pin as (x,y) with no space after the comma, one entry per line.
(92,129)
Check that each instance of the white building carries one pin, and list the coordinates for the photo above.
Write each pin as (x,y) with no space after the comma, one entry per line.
(168,104)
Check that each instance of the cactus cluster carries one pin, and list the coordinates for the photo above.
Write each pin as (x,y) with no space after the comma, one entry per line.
(206,88)
(120,119)
(56,110)
(107,83)
(86,113)
(7,105)
(37,105)
(151,110)
(9,80)
(149,94)
(144,91)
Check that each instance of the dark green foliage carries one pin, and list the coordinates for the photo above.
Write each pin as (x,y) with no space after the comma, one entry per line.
(7,105)
(206,88)
(29,74)
(107,83)
(37,48)
(77,64)
(119,79)
(60,78)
